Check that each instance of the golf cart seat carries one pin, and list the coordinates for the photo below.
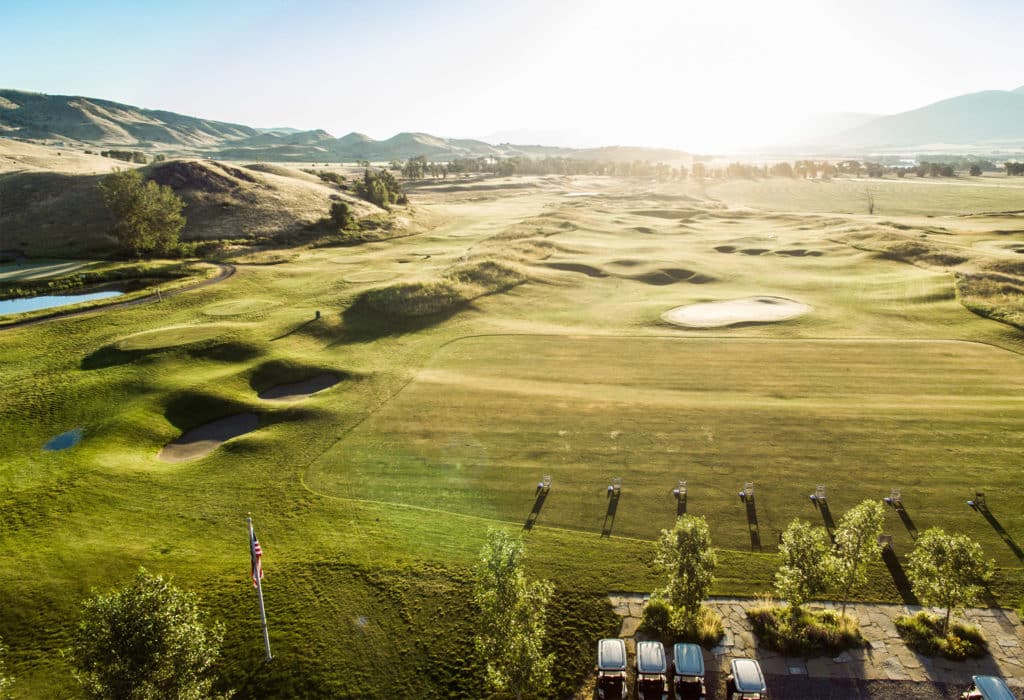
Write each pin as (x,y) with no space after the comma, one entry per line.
(611,669)
(688,673)
(745,681)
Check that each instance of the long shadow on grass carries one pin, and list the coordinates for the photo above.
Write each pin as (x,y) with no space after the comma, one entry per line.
(296,329)
(1001,531)
(899,577)
(908,522)
(609,517)
(755,532)
(826,515)
(538,503)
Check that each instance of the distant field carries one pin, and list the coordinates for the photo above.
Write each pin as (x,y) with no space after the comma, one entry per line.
(478,427)
(935,197)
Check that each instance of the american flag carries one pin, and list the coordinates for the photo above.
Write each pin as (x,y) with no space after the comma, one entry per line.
(257,555)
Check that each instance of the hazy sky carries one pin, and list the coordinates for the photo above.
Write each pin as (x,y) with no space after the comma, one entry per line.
(695,75)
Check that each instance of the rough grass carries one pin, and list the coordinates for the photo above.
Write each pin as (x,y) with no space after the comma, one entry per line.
(996,296)
(804,632)
(922,633)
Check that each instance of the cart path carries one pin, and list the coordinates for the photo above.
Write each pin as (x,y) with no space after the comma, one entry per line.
(226,271)
(879,669)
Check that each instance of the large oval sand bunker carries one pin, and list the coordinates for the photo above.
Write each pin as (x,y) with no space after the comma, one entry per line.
(731,312)
(201,441)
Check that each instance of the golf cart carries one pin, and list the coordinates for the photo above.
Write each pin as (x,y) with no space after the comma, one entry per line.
(745,681)
(988,688)
(688,673)
(611,670)
(651,671)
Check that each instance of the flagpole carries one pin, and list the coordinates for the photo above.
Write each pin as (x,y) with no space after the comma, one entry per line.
(259,592)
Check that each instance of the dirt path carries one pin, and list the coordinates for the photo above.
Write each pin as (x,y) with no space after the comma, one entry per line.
(226,271)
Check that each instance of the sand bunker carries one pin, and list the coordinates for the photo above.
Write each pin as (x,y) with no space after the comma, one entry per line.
(64,441)
(716,314)
(203,440)
(300,390)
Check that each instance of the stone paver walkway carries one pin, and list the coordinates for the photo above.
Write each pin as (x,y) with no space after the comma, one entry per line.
(885,657)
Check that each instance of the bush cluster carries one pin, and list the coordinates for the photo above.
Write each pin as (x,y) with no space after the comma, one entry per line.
(923,633)
(661,621)
(802,632)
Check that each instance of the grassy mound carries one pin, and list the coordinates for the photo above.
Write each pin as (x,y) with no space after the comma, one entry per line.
(922,633)
(802,632)
(458,287)
(995,296)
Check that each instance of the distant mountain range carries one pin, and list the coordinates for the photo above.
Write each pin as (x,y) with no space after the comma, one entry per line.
(84,121)
(993,119)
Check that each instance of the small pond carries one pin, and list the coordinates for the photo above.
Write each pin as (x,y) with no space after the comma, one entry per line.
(17,306)
(64,441)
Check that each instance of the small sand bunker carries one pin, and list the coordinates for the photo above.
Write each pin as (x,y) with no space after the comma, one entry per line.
(203,440)
(717,314)
(64,441)
(300,390)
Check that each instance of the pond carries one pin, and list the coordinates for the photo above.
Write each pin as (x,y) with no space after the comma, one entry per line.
(17,306)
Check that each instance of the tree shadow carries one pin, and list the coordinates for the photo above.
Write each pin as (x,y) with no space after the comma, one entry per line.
(899,576)
(538,503)
(363,324)
(1001,531)
(908,522)
(609,517)
(755,532)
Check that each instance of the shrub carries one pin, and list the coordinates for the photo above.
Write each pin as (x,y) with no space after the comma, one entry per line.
(923,633)
(706,629)
(801,632)
(657,618)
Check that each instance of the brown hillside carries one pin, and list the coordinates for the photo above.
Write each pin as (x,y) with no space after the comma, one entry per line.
(48,213)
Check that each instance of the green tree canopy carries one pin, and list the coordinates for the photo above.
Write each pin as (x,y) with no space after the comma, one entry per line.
(147,216)
(947,570)
(512,618)
(804,570)
(856,545)
(685,555)
(145,641)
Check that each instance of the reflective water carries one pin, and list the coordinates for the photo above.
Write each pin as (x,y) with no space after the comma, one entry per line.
(17,306)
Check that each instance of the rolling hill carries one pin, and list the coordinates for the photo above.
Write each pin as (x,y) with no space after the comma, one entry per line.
(74,121)
(992,117)
(83,120)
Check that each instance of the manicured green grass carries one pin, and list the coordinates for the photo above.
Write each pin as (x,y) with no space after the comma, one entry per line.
(372,498)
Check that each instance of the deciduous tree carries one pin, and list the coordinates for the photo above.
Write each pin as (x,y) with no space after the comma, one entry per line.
(512,619)
(804,570)
(856,545)
(947,570)
(685,555)
(145,641)
(147,216)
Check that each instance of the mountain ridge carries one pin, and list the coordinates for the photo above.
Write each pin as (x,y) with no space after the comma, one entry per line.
(85,121)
